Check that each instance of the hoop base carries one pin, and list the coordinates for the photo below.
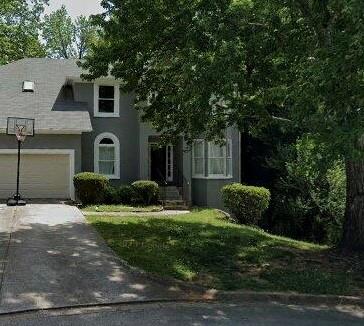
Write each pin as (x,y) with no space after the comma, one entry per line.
(16,201)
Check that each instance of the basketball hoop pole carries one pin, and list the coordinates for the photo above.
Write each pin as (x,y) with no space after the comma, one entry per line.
(21,128)
(17,195)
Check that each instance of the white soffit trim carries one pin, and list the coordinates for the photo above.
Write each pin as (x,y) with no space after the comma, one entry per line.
(54,131)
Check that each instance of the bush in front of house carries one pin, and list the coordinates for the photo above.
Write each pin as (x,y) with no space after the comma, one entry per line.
(246,203)
(145,192)
(126,194)
(111,196)
(90,187)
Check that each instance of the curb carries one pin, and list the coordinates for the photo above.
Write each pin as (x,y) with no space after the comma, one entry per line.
(195,292)
(290,298)
(200,293)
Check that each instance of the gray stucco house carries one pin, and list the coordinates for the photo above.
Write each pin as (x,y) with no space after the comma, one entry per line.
(92,126)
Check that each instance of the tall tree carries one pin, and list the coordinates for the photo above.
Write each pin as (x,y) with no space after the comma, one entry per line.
(20,29)
(201,65)
(66,38)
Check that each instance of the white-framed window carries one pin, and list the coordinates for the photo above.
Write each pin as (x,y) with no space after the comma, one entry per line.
(219,160)
(106,100)
(107,155)
(198,158)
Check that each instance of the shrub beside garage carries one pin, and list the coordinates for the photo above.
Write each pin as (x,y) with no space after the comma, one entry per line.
(92,188)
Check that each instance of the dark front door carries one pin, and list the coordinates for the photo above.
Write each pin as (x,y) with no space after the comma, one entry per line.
(158,164)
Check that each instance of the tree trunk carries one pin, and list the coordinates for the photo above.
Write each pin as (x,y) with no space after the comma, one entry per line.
(353,237)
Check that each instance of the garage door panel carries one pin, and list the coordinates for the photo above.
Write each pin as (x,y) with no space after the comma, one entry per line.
(41,175)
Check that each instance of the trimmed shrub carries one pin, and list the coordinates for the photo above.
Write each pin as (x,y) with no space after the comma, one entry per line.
(90,187)
(145,192)
(126,195)
(246,203)
(111,196)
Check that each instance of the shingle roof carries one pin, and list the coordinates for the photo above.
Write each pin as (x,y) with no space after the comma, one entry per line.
(49,75)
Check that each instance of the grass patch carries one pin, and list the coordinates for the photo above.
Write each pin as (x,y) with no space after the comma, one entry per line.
(121,208)
(204,248)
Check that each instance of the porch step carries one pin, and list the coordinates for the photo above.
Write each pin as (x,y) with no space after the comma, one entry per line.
(170,193)
(176,208)
(175,205)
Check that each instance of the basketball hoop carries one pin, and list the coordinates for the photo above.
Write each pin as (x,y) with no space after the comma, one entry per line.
(21,128)
(21,133)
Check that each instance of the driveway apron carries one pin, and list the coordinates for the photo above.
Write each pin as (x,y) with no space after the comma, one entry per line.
(50,257)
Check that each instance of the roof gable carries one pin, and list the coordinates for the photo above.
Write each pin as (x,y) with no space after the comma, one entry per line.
(49,76)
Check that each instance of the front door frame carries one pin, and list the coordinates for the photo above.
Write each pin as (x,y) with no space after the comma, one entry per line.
(169,176)
(169,163)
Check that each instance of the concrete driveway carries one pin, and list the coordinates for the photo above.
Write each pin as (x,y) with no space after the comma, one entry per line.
(50,257)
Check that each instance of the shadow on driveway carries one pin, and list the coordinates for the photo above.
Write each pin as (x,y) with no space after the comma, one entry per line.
(52,258)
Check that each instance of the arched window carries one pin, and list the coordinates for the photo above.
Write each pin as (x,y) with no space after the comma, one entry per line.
(107,155)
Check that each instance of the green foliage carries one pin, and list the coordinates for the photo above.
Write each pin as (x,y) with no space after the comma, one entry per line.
(111,196)
(127,195)
(211,64)
(19,29)
(120,195)
(90,187)
(204,248)
(66,38)
(238,62)
(146,192)
(246,203)
(122,209)
(309,189)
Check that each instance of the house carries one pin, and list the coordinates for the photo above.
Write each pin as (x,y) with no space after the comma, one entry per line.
(92,126)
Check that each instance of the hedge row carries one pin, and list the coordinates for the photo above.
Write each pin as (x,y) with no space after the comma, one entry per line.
(246,203)
(92,188)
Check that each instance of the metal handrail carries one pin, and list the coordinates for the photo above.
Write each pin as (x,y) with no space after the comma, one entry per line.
(185,185)
(161,176)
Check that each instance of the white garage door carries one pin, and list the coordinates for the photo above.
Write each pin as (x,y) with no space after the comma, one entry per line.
(41,175)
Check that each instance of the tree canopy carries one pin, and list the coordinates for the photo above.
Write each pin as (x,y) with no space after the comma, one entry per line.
(199,66)
(207,64)
(20,29)
(66,38)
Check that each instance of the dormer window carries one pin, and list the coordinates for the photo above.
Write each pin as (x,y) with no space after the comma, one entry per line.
(28,86)
(106,102)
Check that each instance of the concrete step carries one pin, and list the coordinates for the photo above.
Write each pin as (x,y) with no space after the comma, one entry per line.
(174,202)
(170,193)
(175,205)
(176,208)
(175,194)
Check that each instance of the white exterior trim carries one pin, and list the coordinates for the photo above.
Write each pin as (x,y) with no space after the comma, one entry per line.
(116,113)
(225,157)
(195,175)
(70,152)
(206,174)
(214,177)
(97,141)
(54,131)
(102,80)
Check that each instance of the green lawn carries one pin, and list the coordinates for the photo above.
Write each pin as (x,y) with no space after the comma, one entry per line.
(121,208)
(202,247)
